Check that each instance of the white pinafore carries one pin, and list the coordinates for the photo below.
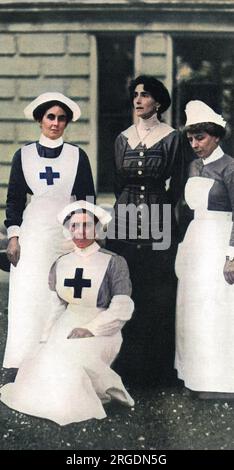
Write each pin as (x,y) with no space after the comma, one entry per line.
(205,312)
(68,380)
(51,181)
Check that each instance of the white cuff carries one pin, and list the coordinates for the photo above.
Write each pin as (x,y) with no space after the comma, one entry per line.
(230,251)
(112,319)
(108,330)
(13,231)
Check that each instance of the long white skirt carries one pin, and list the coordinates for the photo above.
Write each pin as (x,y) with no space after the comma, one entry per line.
(205,308)
(41,241)
(68,380)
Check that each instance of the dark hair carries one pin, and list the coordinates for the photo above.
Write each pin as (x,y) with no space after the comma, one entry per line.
(156,88)
(210,127)
(81,211)
(40,111)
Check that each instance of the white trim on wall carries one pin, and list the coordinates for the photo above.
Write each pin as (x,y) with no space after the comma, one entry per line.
(93,107)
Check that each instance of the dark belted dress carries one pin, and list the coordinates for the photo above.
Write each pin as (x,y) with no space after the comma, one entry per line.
(141,174)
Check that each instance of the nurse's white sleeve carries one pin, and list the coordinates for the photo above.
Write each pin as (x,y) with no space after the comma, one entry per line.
(110,321)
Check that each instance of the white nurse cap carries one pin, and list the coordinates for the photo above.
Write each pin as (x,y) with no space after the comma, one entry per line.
(102,215)
(197,112)
(52,96)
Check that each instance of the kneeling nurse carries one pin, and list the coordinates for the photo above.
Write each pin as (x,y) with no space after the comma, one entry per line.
(69,377)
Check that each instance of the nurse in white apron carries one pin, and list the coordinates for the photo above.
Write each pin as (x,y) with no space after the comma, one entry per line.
(53,173)
(205,299)
(69,378)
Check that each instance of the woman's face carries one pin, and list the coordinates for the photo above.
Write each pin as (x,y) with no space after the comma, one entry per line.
(203,143)
(82,229)
(53,122)
(143,102)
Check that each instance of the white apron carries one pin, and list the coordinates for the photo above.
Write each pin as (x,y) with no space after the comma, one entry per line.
(205,302)
(67,380)
(41,243)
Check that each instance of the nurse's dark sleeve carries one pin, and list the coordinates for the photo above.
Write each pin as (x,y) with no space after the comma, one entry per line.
(17,193)
(115,282)
(180,156)
(83,185)
(229,183)
(118,276)
(121,306)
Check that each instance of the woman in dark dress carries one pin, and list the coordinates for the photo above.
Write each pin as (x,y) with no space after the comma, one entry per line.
(148,155)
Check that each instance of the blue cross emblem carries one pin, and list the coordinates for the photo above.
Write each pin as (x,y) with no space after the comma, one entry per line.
(49,175)
(78,283)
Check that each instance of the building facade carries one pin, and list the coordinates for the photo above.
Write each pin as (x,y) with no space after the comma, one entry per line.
(89,50)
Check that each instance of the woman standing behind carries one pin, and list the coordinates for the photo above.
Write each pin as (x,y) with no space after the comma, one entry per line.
(53,173)
(147,155)
(205,321)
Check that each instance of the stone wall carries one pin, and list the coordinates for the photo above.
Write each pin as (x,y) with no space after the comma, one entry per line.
(46,45)
(32,63)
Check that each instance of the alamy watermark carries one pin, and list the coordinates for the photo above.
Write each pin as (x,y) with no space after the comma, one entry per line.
(131,222)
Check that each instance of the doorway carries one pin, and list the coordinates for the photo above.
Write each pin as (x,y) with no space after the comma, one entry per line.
(116,68)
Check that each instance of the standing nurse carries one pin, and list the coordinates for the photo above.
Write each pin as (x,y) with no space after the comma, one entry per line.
(53,173)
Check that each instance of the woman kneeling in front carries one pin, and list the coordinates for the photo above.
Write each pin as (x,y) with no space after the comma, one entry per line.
(69,377)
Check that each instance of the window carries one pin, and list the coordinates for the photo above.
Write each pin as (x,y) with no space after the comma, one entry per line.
(204,70)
